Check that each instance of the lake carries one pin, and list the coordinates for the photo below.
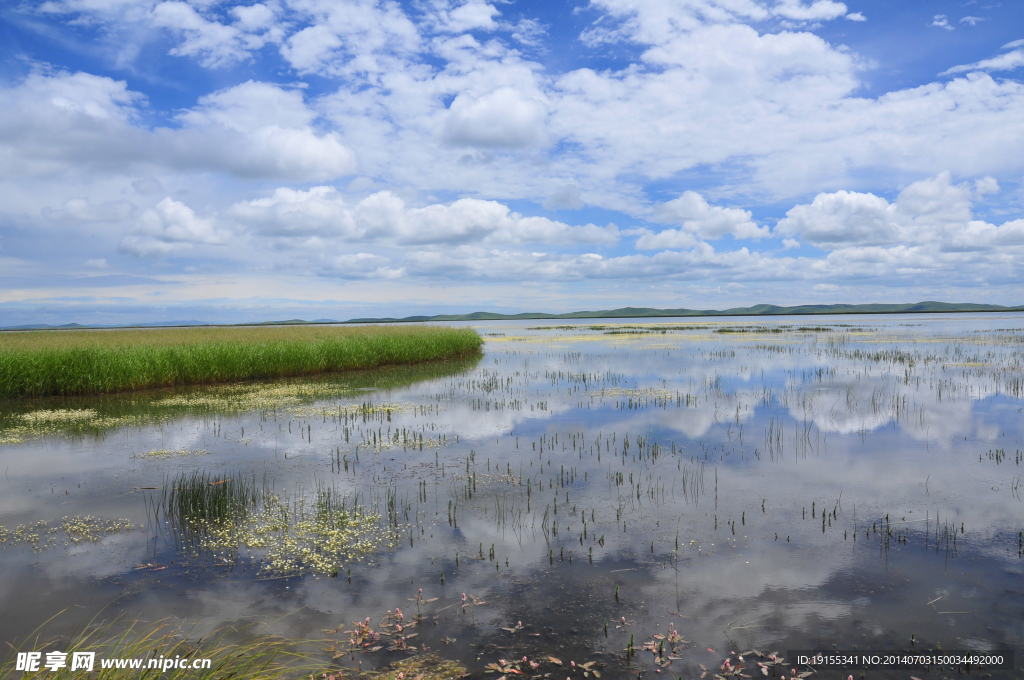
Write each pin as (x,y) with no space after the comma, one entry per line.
(644,496)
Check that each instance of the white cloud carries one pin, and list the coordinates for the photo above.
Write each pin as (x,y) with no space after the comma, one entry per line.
(971,20)
(818,10)
(942,21)
(254,17)
(706,221)
(248,106)
(840,217)
(288,212)
(1007,61)
(506,117)
(358,37)
(856,16)
(671,239)
(212,43)
(384,217)
(77,120)
(928,216)
(308,49)
(360,266)
(471,16)
(259,129)
(171,226)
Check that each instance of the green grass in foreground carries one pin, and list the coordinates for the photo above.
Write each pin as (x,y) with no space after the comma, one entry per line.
(42,363)
(260,658)
(234,654)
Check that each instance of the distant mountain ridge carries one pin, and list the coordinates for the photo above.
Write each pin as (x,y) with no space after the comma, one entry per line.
(621,312)
(754,310)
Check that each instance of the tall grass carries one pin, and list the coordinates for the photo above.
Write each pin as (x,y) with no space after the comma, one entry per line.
(232,654)
(43,363)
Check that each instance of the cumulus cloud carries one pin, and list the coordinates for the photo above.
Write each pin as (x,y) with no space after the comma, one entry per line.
(470,16)
(213,43)
(385,217)
(309,48)
(506,117)
(931,214)
(706,221)
(171,226)
(346,38)
(290,212)
(62,120)
(671,239)
(840,217)
(482,263)
(259,129)
(819,10)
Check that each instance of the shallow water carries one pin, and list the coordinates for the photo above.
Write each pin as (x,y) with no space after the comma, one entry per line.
(776,483)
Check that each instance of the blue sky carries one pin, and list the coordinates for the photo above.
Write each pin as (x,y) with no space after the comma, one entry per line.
(220,161)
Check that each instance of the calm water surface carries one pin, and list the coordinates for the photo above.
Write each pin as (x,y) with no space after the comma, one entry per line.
(780,483)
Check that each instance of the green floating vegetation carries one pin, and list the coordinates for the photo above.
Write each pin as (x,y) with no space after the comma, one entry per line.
(69,530)
(172,453)
(241,519)
(42,363)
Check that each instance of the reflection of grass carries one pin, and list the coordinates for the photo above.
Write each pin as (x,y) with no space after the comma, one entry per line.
(241,518)
(87,362)
(96,413)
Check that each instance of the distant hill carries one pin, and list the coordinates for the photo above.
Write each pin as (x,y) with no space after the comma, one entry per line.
(73,326)
(621,312)
(755,310)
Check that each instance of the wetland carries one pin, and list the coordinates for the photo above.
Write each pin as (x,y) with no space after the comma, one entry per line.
(620,499)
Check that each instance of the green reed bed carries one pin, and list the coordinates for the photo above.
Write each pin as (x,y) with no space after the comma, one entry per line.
(42,363)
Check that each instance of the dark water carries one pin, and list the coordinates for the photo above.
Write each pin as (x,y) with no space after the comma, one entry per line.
(790,483)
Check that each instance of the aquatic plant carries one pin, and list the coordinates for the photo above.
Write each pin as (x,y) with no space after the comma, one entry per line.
(239,518)
(70,529)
